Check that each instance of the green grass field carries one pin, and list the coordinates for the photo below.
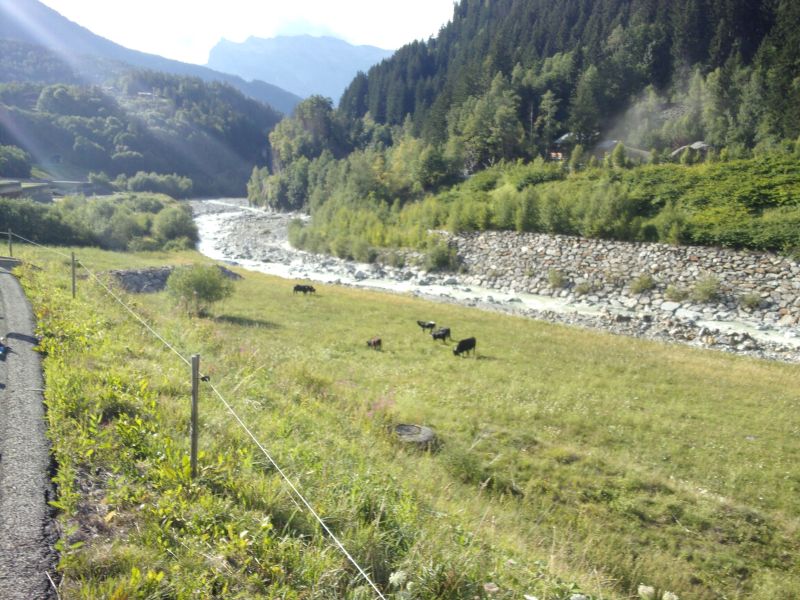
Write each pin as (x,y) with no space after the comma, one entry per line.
(570,460)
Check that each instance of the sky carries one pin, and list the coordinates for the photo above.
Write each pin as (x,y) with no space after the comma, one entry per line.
(186,30)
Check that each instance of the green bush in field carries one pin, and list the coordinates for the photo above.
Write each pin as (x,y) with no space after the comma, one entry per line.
(706,289)
(643,283)
(196,287)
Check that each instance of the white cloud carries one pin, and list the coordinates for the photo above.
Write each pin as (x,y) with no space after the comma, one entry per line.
(186,29)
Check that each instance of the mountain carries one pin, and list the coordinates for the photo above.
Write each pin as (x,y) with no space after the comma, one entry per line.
(303,64)
(32,22)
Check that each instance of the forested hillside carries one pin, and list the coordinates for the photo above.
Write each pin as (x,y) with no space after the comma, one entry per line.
(96,59)
(575,64)
(139,121)
(581,92)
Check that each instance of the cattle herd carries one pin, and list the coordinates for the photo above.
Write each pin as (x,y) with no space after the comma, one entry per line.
(463,347)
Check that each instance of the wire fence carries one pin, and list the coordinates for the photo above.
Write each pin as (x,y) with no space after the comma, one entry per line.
(242,424)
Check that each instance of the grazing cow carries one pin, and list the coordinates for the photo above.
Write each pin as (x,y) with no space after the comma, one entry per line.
(443,333)
(374,343)
(464,346)
(306,289)
(426,325)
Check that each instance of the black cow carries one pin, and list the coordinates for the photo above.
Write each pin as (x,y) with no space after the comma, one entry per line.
(374,343)
(426,325)
(443,333)
(306,289)
(464,346)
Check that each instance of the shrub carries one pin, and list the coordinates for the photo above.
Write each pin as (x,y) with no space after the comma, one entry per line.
(750,300)
(178,244)
(363,252)
(706,289)
(676,293)
(173,185)
(643,283)
(556,279)
(441,257)
(583,288)
(197,286)
(143,244)
(174,222)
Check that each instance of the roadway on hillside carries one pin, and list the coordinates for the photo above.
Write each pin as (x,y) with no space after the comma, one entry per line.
(27,531)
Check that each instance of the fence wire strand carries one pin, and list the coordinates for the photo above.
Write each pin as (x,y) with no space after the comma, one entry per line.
(233,413)
(135,315)
(53,250)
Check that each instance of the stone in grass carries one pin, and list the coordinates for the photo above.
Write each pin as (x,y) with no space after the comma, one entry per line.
(417,435)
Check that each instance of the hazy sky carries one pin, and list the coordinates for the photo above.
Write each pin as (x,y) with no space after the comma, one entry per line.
(187,29)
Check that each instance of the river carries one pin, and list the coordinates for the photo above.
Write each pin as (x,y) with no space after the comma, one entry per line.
(257,240)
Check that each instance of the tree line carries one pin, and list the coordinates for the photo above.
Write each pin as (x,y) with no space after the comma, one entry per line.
(509,86)
(141,122)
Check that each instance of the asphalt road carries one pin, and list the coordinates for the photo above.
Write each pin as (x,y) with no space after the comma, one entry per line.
(27,530)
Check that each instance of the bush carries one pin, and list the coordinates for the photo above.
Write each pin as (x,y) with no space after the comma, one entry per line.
(750,300)
(706,289)
(643,283)
(556,279)
(197,286)
(174,222)
(143,244)
(583,288)
(676,293)
(441,257)
(178,244)
(363,252)
(173,185)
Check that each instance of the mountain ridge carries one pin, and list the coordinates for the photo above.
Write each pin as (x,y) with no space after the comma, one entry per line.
(32,22)
(303,64)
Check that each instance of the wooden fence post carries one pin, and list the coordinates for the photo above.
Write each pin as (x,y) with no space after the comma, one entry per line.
(195,399)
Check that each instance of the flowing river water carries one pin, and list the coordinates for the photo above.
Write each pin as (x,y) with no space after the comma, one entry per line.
(257,240)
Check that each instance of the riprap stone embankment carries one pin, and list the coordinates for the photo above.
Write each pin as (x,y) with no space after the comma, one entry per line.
(755,287)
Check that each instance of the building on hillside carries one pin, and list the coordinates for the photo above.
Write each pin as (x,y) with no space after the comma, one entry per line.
(561,147)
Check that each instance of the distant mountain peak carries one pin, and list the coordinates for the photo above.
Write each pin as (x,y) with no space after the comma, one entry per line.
(304,64)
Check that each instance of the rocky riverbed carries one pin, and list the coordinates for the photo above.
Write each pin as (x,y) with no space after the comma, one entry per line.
(254,239)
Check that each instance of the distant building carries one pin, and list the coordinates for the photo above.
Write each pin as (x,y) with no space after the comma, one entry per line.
(561,147)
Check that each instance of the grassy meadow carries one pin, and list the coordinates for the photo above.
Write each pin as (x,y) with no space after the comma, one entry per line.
(570,461)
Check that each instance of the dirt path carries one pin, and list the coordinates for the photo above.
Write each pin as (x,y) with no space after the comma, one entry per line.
(27,531)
